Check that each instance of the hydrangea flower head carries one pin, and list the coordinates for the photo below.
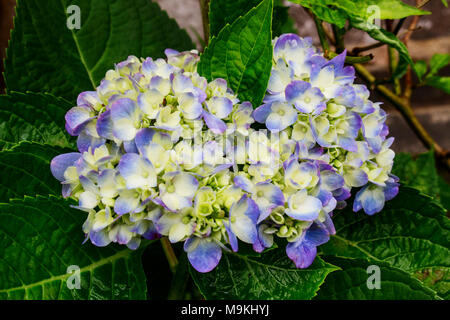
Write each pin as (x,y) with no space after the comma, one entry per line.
(164,152)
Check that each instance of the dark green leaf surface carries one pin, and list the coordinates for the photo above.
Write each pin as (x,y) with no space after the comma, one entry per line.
(271,276)
(242,54)
(444,193)
(439,61)
(421,174)
(26,171)
(33,117)
(282,22)
(421,68)
(44,55)
(411,234)
(441,83)
(223,12)
(351,283)
(41,237)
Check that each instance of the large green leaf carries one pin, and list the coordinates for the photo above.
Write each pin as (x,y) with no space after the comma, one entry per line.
(41,238)
(26,171)
(223,12)
(271,276)
(242,54)
(388,9)
(282,22)
(441,83)
(438,61)
(421,173)
(45,56)
(351,283)
(33,117)
(411,234)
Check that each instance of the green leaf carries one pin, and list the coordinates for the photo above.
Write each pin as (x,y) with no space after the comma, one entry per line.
(411,234)
(329,14)
(438,61)
(223,12)
(27,171)
(350,283)
(282,22)
(444,193)
(444,2)
(421,68)
(388,38)
(388,9)
(44,55)
(272,276)
(420,173)
(42,237)
(33,117)
(242,54)
(442,83)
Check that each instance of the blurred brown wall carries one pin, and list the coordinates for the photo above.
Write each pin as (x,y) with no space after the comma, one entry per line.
(6,22)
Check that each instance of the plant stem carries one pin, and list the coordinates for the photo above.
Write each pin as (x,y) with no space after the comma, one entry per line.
(339,38)
(322,35)
(179,280)
(170,254)
(349,59)
(393,63)
(204,6)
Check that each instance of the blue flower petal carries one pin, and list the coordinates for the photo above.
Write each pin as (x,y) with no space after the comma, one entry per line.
(100,238)
(244,183)
(302,254)
(216,125)
(105,125)
(85,141)
(203,254)
(243,218)
(60,163)
(261,113)
(370,198)
(77,118)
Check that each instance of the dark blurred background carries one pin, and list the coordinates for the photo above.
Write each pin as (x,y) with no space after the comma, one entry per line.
(432,36)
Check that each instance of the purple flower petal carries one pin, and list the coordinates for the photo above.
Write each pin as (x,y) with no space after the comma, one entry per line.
(85,141)
(59,164)
(216,125)
(77,118)
(261,113)
(370,198)
(203,254)
(244,183)
(302,254)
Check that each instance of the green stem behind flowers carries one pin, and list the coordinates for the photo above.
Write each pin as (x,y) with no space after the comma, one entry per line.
(170,254)
(204,7)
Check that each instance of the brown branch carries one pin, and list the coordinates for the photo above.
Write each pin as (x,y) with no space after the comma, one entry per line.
(204,7)
(408,76)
